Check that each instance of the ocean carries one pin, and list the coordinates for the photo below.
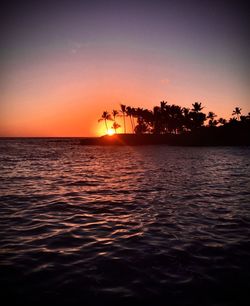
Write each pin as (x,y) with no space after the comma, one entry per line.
(155,225)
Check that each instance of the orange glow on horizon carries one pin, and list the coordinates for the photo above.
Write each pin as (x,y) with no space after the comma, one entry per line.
(37,103)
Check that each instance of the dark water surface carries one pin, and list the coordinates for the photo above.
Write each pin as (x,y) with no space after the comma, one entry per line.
(151,224)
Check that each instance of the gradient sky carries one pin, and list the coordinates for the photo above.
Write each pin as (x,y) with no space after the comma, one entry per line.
(64,62)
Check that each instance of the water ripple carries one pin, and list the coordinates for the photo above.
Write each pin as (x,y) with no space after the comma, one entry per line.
(79,224)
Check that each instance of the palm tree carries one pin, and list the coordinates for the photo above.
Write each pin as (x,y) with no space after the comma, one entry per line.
(115,113)
(197,107)
(105,117)
(157,124)
(211,116)
(222,121)
(115,126)
(175,118)
(163,105)
(164,116)
(237,112)
(197,118)
(186,118)
(141,127)
(123,110)
(129,113)
(133,112)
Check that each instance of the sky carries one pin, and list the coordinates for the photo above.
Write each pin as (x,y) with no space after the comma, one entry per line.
(65,62)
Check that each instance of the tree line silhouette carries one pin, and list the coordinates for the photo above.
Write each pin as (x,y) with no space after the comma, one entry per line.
(171,119)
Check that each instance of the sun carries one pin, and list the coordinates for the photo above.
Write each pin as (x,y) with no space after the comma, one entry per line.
(111,132)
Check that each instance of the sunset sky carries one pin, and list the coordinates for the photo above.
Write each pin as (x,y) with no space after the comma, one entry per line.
(64,62)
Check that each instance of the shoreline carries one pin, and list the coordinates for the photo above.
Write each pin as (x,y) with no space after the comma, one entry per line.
(203,137)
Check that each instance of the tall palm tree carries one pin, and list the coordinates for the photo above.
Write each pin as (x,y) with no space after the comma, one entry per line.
(166,117)
(157,124)
(129,113)
(105,117)
(123,110)
(133,112)
(237,112)
(163,116)
(115,113)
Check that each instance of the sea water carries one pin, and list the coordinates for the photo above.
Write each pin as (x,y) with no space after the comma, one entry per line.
(147,224)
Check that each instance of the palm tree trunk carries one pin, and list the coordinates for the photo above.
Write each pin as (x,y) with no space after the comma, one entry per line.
(131,124)
(124,123)
(114,122)
(106,125)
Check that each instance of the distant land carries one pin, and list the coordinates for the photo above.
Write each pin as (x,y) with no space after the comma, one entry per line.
(175,126)
(204,137)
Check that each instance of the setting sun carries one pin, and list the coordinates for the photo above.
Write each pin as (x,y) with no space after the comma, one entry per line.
(110,132)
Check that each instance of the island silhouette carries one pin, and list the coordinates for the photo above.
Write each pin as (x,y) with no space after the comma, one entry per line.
(172,124)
